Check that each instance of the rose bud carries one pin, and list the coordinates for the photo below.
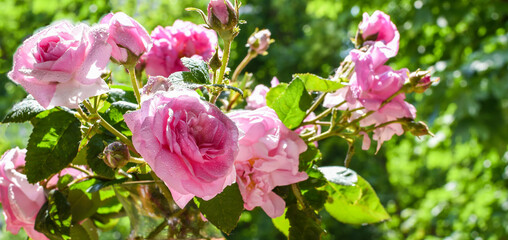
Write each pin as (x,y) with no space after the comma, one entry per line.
(116,155)
(127,37)
(416,128)
(420,81)
(223,18)
(259,41)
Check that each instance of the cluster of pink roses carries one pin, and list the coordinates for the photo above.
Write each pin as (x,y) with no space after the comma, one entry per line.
(194,147)
(190,144)
(62,64)
(373,83)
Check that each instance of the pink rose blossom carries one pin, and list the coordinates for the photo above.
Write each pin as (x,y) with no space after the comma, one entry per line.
(183,39)
(379,24)
(189,143)
(62,64)
(258,97)
(268,157)
(371,86)
(219,9)
(21,200)
(125,33)
(393,110)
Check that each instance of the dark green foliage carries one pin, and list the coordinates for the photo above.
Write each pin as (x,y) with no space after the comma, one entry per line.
(223,210)
(53,144)
(54,217)
(199,70)
(23,111)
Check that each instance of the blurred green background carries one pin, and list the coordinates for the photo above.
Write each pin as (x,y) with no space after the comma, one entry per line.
(451,186)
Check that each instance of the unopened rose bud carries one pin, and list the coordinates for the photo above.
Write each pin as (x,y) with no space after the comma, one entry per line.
(416,128)
(223,18)
(420,81)
(127,37)
(215,62)
(259,41)
(116,155)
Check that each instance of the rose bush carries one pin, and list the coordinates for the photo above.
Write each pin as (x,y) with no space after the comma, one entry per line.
(62,64)
(190,144)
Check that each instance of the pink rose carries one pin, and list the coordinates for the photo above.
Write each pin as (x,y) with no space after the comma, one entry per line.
(268,157)
(220,9)
(126,34)
(381,29)
(258,97)
(183,39)
(189,143)
(62,64)
(371,86)
(21,201)
(393,110)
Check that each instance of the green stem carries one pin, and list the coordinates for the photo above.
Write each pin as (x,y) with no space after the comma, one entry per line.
(225,59)
(81,169)
(298,195)
(251,55)
(110,128)
(158,229)
(322,115)
(220,78)
(134,82)
(316,104)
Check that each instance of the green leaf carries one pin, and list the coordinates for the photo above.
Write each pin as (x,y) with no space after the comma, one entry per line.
(184,80)
(64,180)
(303,226)
(54,217)
(121,93)
(339,175)
(93,150)
(84,231)
(316,83)
(198,68)
(309,157)
(356,204)
(53,144)
(292,104)
(23,111)
(282,223)
(116,111)
(275,93)
(223,210)
(83,203)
